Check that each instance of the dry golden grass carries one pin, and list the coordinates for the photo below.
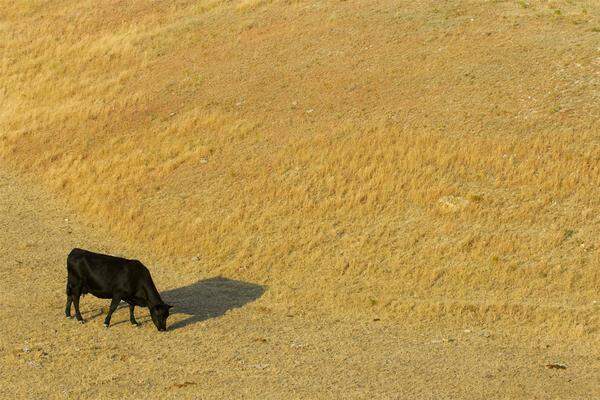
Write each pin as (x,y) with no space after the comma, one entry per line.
(423,160)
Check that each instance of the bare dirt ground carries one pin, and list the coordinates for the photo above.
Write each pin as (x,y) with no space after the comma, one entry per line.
(227,340)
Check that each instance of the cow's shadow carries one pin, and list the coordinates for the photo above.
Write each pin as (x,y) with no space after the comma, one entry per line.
(210,298)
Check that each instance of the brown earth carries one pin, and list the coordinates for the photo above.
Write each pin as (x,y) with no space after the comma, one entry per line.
(228,341)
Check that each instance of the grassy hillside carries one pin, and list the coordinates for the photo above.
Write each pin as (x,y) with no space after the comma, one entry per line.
(431,160)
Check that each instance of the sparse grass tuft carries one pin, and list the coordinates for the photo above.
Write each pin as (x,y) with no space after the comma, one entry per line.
(568,234)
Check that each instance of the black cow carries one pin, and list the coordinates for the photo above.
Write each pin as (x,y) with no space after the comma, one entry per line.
(115,278)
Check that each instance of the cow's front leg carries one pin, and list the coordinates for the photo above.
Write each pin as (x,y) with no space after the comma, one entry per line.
(113,306)
(132,315)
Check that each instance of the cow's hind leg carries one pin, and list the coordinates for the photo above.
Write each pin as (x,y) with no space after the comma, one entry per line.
(132,315)
(113,306)
(69,301)
(68,307)
(75,294)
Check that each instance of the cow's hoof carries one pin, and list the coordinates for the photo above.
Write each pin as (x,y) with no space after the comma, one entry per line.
(106,325)
(69,317)
(136,325)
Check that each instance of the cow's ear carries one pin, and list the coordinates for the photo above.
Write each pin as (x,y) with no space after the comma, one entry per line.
(169,306)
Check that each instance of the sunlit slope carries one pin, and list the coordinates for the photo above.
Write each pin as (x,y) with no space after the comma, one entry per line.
(437,160)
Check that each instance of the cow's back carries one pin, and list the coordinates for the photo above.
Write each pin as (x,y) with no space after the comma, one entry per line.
(103,275)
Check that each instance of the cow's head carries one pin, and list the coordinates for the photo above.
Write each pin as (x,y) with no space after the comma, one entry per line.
(159,314)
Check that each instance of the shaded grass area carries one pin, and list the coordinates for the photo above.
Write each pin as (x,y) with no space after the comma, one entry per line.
(210,298)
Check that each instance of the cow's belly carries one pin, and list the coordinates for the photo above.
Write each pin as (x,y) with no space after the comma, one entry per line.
(136,301)
(104,291)
(99,290)
(100,294)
